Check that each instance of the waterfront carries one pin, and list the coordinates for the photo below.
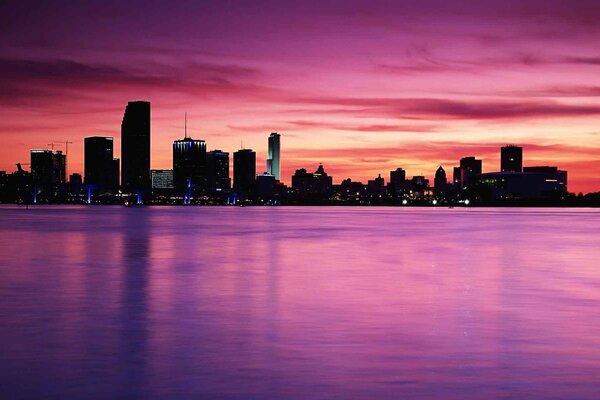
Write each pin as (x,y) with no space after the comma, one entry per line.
(299,302)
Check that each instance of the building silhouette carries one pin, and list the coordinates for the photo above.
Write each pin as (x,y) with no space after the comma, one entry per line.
(376,187)
(189,165)
(48,174)
(470,167)
(265,186)
(218,180)
(101,169)
(244,171)
(511,159)
(135,147)
(317,184)
(397,181)
(440,181)
(274,156)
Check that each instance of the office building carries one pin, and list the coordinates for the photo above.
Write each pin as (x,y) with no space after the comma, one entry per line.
(376,187)
(48,173)
(470,167)
(162,179)
(397,181)
(189,165)
(265,186)
(511,159)
(274,156)
(440,182)
(135,147)
(244,171)
(218,180)
(317,184)
(101,169)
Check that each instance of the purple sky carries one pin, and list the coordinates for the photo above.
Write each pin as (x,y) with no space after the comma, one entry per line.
(363,87)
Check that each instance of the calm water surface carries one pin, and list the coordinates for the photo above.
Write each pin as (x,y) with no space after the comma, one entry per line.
(299,303)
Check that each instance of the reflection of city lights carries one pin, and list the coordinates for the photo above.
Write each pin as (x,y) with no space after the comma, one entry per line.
(404,202)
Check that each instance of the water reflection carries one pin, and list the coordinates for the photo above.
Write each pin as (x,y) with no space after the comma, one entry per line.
(108,302)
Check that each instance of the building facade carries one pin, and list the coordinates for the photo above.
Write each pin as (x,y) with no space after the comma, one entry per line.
(135,147)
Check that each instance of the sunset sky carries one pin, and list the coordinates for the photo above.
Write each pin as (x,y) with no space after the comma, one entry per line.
(362,86)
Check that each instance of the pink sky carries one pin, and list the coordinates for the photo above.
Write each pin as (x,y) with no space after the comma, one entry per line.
(364,87)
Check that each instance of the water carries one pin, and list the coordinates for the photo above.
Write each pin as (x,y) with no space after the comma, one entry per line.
(299,303)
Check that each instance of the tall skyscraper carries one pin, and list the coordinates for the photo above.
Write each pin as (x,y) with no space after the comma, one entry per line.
(189,164)
(244,171)
(48,172)
(469,168)
(511,159)
(440,181)
(218,171)
(274,156)
(135,146)
(101,169)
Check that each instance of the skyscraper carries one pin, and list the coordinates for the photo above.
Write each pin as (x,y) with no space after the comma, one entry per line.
(218,171)
(440,181)
(244,171)
(100,169)
(274,156)
(397,180)
(469,168)
(511,159)
(48,173)
(135,146)
(189,164)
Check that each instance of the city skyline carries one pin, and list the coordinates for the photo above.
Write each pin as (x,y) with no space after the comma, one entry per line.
(363,87)
(195,168)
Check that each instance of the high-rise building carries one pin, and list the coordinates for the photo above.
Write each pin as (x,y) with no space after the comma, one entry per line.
(135,147)
(440,182)
(189,164)
(397,181)
(100,168)
(511,159)
(274,156)
(244,171)
(217,163)
(470,167)
(48,172)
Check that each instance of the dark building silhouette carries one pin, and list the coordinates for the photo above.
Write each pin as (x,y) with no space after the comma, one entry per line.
(470,167)
(440,182)
(551,175)
(48,173)
(189,165)
(511,159)
(376,187)
(135,147)
(349,190)
(397,181)
(101,169)
(218,180)
(265,186)
(317,184)
(244,171)
(419,183)
(274,156)
(534,183)
(456,182)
